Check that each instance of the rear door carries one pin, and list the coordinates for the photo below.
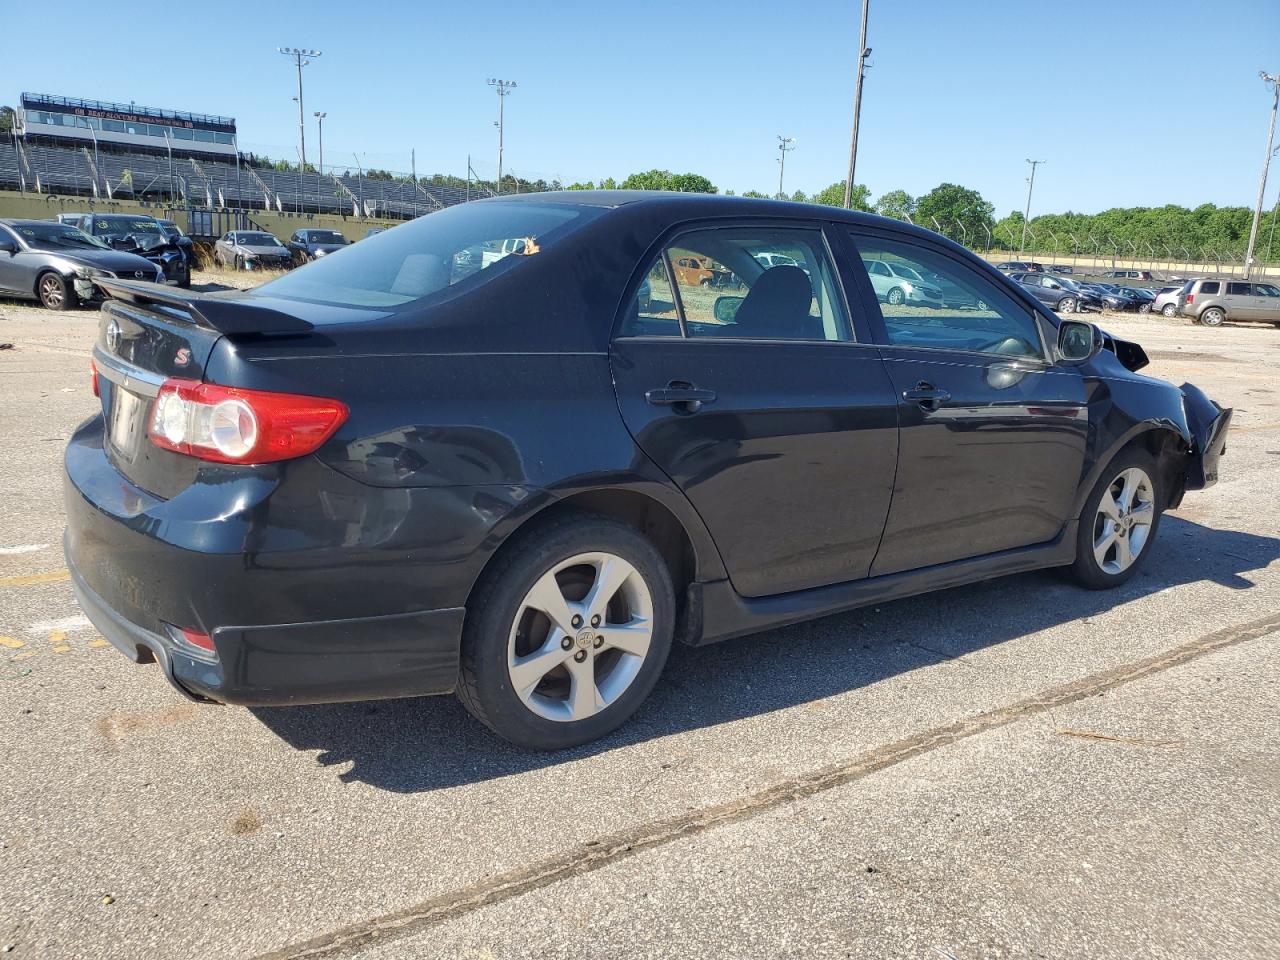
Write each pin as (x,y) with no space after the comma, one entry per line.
(992,438)
(1240,302)
(772,414)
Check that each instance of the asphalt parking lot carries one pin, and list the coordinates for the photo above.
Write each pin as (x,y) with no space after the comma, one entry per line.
(1014,769)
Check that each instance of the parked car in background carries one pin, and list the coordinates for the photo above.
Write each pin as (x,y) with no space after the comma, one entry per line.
(1060,293)
(1166,301)
(55,263)
(1110,296)
(1144,297)
(311,244)
(145,237)
(896,282)
(1128,274)
(374,231)
(381,501)
(1061,268)
(252,250)
(1013,266)
(1213,301)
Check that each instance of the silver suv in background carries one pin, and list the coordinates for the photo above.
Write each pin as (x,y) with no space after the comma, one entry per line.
(1166,301)
(1212,301)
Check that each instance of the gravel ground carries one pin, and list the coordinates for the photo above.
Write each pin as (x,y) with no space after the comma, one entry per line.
(1018,768)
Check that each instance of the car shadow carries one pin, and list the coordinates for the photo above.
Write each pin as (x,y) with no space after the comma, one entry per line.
(424,744)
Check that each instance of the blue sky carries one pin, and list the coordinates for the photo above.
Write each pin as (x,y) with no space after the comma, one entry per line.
(1141,102)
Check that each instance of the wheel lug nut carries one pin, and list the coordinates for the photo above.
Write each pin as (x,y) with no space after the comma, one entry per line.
(580,655)
(577,620)
(567,642)
(595,621)
(599,642)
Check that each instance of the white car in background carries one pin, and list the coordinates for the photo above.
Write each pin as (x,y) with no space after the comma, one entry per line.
(898,283)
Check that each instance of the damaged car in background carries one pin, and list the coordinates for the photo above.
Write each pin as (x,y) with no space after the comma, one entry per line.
(57,264)
(146,237)
(391,473)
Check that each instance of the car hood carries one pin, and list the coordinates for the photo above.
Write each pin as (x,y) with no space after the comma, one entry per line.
(263,251)
(117,261)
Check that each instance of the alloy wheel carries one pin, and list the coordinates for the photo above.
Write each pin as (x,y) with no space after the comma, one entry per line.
(1068,305)
(1169,309)
(1122,525)
(895,296)
(1212,317)
(580,637)
(51,292)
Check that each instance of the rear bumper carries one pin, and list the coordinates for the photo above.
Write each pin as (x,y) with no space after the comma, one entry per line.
(368,658)
(314,590)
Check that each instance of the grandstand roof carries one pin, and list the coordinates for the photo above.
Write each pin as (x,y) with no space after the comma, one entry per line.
(45,100)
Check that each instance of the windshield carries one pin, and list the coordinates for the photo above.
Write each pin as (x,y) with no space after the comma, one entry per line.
(326,236)
(257,240)
(111,225)
(465,245)
(57,236)
(1069,284)
(906,272)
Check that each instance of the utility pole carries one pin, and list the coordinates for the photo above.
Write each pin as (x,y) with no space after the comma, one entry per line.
(785,146)
(168,144)
(1266,164)
(1031,185)
(299,57)
(320,124)
(503,88)
(863,52)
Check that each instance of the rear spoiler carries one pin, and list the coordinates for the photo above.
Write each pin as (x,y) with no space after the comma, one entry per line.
(223,315)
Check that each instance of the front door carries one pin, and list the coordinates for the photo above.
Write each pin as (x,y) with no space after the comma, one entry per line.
(15,274)
(993,435)
(761,405)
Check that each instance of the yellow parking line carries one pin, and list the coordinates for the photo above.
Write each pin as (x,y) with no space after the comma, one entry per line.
(11,643)
(59,640)
(99,642)
(23,655)
(51,576)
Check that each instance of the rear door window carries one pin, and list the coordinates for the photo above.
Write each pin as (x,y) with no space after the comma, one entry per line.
(1239,290)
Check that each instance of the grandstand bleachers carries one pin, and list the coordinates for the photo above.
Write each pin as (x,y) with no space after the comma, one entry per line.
(304,192)
(141,175)
(10,172)
(59,169)
(395,197)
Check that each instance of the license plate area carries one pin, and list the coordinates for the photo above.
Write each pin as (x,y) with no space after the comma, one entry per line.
(127,423)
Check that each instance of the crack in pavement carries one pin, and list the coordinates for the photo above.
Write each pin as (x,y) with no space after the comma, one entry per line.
(595,854)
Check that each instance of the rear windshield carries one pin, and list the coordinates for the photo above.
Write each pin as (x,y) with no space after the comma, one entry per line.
(466,244)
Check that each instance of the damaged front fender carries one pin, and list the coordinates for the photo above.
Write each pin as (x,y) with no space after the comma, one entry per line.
(1208,424)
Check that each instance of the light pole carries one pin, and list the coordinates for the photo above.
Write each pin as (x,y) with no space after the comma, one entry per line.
(503,87)
(1031,185)
(863,52)
(785,146)
(300,59)
(1266,163)
(320,124)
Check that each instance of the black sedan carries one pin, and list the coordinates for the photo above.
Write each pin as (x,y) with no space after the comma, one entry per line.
(311,244)
(146,237)
(388,474)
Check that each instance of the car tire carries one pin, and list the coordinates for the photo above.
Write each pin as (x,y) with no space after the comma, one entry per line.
(55,292)
(1170,310)
(562,562)
(184,280)
(896,296)
(1067,305)
(1115,540)
(1213,317)
(1144,308)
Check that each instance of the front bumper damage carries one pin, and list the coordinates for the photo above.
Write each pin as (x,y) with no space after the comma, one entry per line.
(1208,424)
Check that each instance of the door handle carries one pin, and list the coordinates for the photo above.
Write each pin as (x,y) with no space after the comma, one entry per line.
(927,395)
(680,394)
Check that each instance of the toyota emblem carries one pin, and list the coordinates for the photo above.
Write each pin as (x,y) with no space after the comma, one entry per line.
(113,335)
(139,274)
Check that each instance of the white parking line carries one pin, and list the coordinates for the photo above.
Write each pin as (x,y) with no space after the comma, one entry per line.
(65,625)
(25,548)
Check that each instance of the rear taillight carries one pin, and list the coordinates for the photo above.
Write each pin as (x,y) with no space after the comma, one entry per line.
(93,377)
(1191,298)
(231,425)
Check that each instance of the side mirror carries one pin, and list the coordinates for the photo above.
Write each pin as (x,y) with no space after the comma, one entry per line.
(1078,341)
(8,246)
(726,308)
